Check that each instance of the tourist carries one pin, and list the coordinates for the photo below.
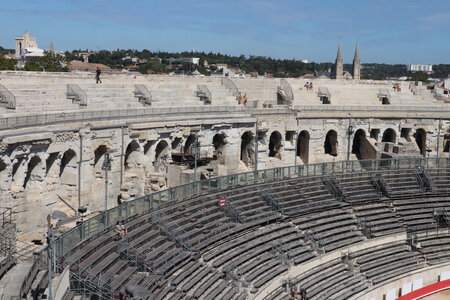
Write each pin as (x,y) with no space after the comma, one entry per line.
(123,228)
(306,85)
(97,76)
(240,98)
(303,293)
(118,230)
(245,99)
(310,85)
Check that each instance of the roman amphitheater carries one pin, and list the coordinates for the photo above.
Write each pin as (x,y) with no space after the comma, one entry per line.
(342,189)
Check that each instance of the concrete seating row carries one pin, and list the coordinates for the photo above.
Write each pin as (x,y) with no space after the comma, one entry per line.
(435,247)
(379,218)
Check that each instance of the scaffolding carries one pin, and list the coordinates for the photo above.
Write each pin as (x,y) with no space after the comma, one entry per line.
(272,200)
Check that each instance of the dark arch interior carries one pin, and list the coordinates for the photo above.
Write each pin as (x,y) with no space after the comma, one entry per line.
(219,143)
(50,161)
(247,151)
(281,99)
(303,146)
(189,143)
(2,165)
(331,143)
(219,140)
(275,145)
(388,136)
(358,140)
(132,146)
(66,159)
(99,152)
(162,145)
(147,146)
(421,140)
(34,161)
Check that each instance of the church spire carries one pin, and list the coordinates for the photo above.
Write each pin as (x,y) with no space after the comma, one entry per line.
(356,64)
(339,64)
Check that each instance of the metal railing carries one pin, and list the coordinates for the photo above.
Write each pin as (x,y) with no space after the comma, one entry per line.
(361,108)
(229,84)
(288,90)
(7,99)
(325,95)
(97,115)
(77,95)
(144,95)
(204,94)
(106,220)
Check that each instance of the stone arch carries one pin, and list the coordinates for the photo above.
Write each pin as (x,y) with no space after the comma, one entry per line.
(359,140)
(131,155)
(248,148)
(303,146)
(69,159)
(219,142)
(281,97)
(162,153)
(147,146)
(421,140)
(275,144)
(34,170)
(98,154)
(189,143)
(331,143)
(389,136)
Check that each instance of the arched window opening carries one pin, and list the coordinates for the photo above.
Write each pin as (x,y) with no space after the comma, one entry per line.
(421,140)
(219,143)
(358,143)
(188,149)
(98,153)
(331,143)
(275,145)
(50,161)
(303,146)
(281,98)
(68,160)
(389,136)
(131,155)
(247,148)
(147,146)
(161,156)
(33,168)
(405,133)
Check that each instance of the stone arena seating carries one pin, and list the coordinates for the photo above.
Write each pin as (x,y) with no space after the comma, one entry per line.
(195,249)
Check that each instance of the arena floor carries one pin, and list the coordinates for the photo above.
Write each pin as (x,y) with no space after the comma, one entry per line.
(444,295)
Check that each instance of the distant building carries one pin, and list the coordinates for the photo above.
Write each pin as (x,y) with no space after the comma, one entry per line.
(26,47)
(192,60)
(419,68)
(221,66)
(442,89)
(80,66)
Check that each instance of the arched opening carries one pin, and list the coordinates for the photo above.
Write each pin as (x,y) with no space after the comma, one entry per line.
(33,169)
(188,144)
(147,146)
(69,159)
(275,145)
(50,161)
(389,136)
(358,142)
(98,153)
(281,98)
(405,133)
(131,155)
(247,148)
(331,143)
(161,156)
(421,140)
(303,146)
(219,147)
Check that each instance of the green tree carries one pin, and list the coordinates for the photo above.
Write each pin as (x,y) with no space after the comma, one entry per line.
(49,63)
(7,64)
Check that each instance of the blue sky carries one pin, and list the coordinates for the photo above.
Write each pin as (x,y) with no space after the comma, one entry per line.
(389,31)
